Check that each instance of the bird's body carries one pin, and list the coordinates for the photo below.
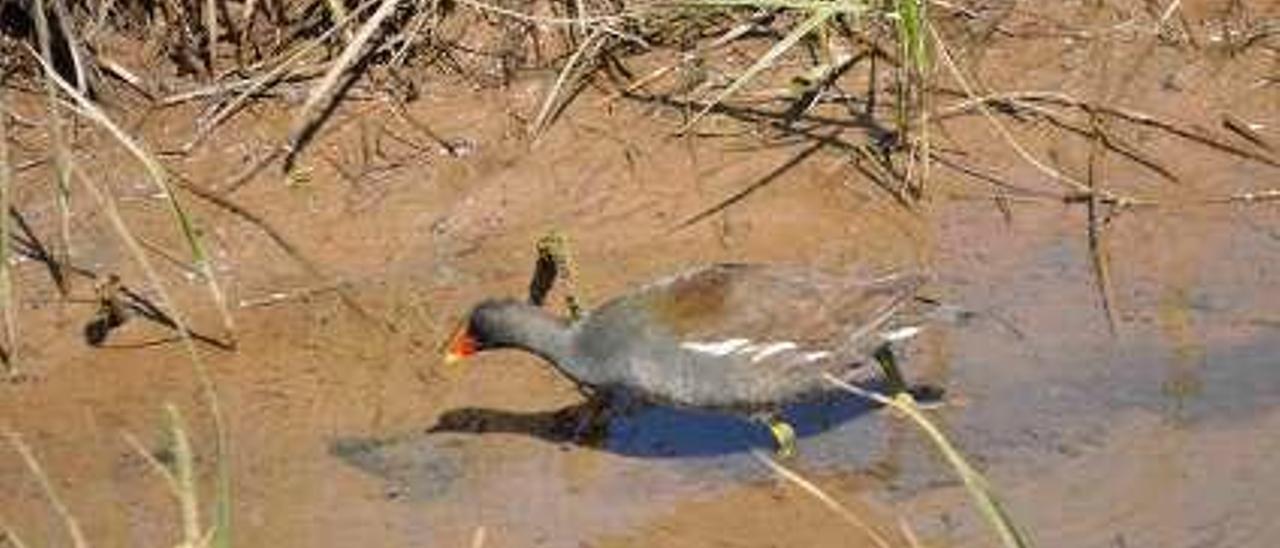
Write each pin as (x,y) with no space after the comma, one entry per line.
(732,337)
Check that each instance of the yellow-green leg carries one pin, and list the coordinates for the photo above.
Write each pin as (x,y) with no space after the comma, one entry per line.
(889,365)
(554,260)
(923,395)
(783,434)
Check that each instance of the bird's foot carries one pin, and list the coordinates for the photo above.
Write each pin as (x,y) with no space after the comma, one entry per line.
(927,396)
(783,434)
(555,260)
(592,423)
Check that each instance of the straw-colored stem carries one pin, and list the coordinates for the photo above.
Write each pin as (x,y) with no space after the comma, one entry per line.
(159,177)
(1004,132)
(11,537)
(327,90)
(275,74)
(478,537)
(552,102)
(184,476)
(57,136)
(211,31)
(33,464)
(7,303)
(978,487)
(817,18)
(827,500)
(107,204)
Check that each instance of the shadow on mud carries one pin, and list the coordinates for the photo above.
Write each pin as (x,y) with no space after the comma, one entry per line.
(645,432)
(651,431)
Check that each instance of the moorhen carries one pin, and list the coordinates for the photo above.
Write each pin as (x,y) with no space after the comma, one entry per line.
(741,338)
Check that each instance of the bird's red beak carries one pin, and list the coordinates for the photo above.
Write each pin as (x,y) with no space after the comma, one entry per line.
(460,346)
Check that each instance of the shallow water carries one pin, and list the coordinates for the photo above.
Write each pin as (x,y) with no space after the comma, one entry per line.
(1159,434)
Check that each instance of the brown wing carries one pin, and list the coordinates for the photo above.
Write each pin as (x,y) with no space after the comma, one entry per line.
(741,335)
(767,304)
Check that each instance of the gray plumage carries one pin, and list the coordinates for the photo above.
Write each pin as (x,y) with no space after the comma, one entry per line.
(740,337)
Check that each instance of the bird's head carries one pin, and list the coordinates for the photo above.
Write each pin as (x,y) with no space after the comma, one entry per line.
(486,327)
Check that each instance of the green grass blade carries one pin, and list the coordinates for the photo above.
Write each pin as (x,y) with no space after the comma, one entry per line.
(184,477)
(159,176)
(978,487)
(911,35)
(221,537)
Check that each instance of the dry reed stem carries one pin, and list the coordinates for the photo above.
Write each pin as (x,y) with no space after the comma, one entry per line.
(322,96)
(151,460)
(206,125)
(1098,249)
(826,500)
(699,52)
(1005,134)
(913,540)
(7,303)
(159,177)
(180,478)
(228,87)
(1111,141)
(977,486)
(1243,129)
(819,16)
(222,442)
(1017,98)
(552,104)
(288,247)
(278,297)
(10,537)
(29,458)
(184,475)
(1247,197)
(133,80)
(211,34)
(77,52)
(57,138)
(581,21)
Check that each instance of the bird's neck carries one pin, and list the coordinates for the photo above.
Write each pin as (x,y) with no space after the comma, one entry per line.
(537,331)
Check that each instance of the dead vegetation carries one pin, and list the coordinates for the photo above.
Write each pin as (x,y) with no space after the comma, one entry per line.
(877,84)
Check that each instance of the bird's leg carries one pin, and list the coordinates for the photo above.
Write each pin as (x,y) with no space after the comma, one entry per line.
(924,395)
(554,260)
(544,276)
(783,434)
(594,417)
(889,364)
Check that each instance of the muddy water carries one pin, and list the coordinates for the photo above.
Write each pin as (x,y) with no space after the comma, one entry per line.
(347,430)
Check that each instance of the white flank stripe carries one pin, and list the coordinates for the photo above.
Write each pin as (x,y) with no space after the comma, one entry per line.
(770,349)
(815,356)
(901,334)
(721,348)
